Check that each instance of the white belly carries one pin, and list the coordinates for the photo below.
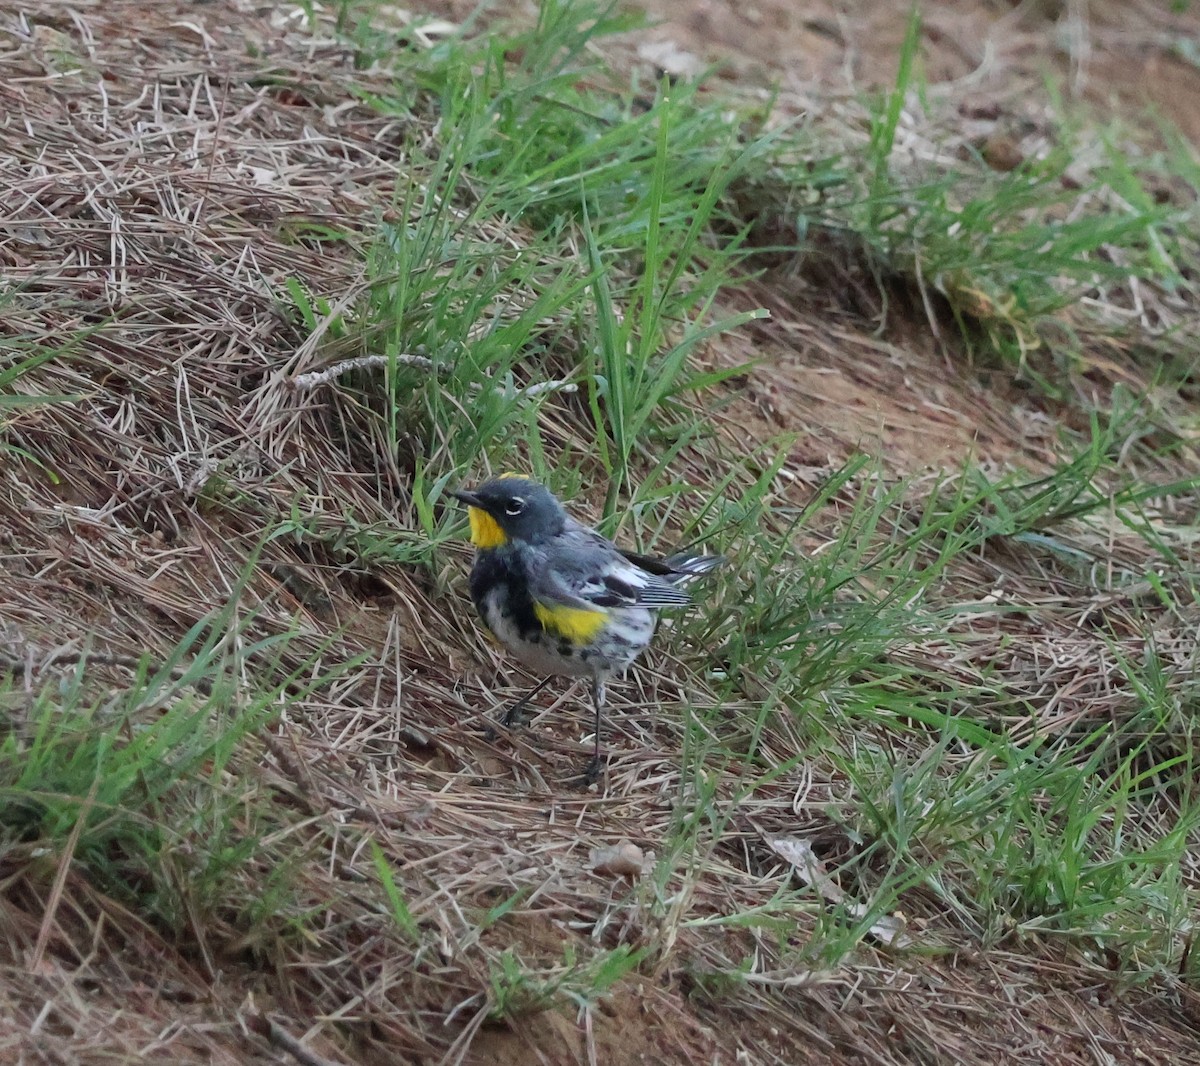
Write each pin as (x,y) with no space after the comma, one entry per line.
(623,639)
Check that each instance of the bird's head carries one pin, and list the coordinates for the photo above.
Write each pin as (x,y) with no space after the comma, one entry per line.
(511,508)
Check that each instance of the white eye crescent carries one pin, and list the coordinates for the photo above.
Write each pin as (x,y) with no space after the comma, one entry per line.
(514,506)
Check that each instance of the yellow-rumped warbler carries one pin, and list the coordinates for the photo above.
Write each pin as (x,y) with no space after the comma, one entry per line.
(561,597)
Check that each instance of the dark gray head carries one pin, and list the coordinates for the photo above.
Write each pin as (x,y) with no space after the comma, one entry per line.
(511,508)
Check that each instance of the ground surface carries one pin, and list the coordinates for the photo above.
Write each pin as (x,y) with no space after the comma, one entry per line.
(177,81)
(996,60)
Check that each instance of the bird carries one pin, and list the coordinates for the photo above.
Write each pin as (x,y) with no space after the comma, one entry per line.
(560,596)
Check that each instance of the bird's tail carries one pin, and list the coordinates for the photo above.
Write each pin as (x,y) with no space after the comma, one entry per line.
(677,569)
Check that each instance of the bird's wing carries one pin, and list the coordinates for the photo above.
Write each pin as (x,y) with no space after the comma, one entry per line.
(589,573)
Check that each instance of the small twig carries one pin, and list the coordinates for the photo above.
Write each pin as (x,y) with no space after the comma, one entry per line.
(804,979)
(547,386)
(212,155)
(315,378)
(281,1038)
(323,377)
(67,657)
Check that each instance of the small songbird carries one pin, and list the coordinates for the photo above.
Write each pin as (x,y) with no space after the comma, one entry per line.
(561,597)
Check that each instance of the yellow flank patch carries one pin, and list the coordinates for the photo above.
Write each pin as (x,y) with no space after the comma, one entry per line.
(485,530)
(576,624)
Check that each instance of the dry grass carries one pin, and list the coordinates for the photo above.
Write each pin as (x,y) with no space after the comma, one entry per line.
(158,194)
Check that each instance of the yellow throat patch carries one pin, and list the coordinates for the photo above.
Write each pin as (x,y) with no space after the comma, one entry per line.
(576,624)
(485,530)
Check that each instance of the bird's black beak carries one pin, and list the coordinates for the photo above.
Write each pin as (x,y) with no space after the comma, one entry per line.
(469,498)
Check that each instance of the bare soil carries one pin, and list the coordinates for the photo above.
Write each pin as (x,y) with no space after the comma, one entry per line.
(900,390)
(242,124)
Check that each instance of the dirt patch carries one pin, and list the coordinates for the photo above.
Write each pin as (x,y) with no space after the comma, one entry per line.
(842,389)
(993,53)
(899,385)
(637,1024)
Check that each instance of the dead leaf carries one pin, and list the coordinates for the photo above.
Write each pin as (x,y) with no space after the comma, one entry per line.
(888,930)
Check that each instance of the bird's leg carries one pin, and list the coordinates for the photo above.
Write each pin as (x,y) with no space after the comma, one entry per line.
(592,772)
(513,716)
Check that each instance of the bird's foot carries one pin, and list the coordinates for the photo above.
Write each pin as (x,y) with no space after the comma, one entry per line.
(516,715)
(593,772)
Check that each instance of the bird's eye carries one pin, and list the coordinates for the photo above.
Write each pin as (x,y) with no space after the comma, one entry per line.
(514,506)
